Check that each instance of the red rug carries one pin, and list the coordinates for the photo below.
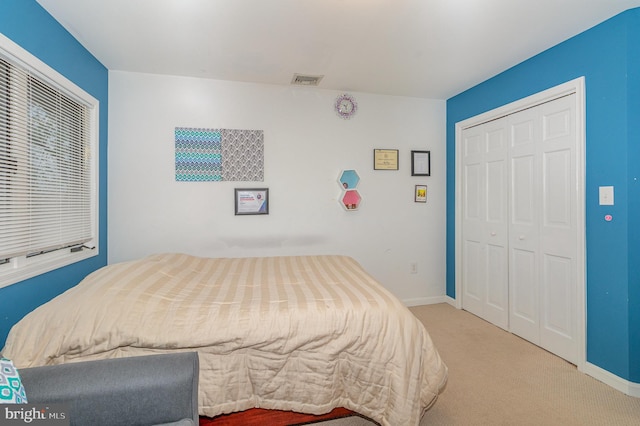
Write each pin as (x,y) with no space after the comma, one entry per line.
(262,417)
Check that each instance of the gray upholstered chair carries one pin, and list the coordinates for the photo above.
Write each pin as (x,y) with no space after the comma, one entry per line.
(147,390)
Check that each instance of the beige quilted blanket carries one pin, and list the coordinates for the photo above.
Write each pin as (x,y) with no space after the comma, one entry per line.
(304,333)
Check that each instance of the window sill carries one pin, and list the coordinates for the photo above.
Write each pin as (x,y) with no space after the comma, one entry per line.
(21,269)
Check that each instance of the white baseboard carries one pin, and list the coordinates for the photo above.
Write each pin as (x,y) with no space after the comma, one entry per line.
(608,378)
(425,301)
(432,301)
(453,302)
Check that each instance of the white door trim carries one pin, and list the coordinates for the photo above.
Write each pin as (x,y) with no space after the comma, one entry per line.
(576,86)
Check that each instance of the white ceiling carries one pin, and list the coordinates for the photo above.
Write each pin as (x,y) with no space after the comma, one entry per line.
(418,48)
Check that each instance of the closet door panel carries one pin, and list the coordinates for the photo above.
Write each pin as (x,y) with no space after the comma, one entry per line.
(558,229)
(485,237)
(497,285)
(473,184)
(524,192)
(497,310)
(473,277)
(556,296)
(473,223)
(524,307)
(524,217)
(558,329)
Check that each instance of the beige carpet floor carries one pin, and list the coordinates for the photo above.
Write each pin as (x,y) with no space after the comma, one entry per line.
(497,378)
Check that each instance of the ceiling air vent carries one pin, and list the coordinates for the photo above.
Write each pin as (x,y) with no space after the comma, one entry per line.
(306,80)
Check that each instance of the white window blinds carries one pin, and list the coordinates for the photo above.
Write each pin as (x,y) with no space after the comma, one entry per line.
(45,167)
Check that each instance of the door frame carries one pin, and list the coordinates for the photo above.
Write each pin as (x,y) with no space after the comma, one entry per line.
(577,87)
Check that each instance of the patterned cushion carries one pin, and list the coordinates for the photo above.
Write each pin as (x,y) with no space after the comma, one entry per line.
(11,389)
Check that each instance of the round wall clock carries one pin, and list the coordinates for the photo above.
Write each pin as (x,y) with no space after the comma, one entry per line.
(346,106)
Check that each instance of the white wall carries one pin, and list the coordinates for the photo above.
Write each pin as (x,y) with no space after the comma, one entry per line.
(306,147)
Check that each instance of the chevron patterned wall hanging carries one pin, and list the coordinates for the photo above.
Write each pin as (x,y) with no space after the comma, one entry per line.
(219,154)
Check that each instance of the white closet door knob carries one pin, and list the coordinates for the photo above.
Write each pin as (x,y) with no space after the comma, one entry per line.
(493,234)
(521,237)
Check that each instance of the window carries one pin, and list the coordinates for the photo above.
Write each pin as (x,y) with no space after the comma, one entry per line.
(48,168)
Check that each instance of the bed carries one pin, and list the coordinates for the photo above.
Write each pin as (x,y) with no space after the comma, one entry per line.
(296,333)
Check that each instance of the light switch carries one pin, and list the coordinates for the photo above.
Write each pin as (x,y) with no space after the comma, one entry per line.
(606,195)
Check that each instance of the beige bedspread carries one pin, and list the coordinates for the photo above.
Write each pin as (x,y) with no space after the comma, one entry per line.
(305,333)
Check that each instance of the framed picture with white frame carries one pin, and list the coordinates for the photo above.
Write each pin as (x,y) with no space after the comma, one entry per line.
(420,194)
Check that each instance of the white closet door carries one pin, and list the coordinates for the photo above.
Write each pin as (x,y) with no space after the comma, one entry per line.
(484,251)
(519,224)
(558,229)
(524,155)
(542,229)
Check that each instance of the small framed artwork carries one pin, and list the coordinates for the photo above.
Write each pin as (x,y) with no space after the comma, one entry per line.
(420,163)
(385,159)
(421,194)
(251,201)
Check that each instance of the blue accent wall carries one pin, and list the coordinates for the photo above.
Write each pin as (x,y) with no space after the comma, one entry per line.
(608,57)
(633,179)
(30,26)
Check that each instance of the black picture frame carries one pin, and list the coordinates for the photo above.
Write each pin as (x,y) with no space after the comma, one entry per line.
(420,163)
(251,201)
